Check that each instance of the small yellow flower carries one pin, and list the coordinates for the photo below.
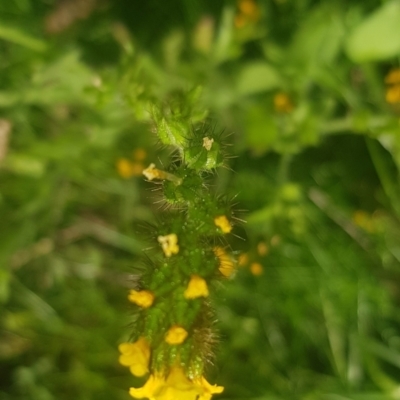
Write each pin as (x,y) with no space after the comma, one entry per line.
(124,168)
(393,94)
(197,287)
(169,244)
(248,7)
(256,269)
(393,77)
(249,12)
(176,386)
(222,222)
(176,335)
(226,266)
(282,103)
(142,298)
(136,356)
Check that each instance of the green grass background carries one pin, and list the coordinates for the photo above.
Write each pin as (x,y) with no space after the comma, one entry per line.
(319,187)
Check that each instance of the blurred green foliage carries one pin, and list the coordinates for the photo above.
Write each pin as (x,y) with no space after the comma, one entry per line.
(299,87)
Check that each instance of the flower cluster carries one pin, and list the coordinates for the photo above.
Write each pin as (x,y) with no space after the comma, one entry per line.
(173,332)
(255,259)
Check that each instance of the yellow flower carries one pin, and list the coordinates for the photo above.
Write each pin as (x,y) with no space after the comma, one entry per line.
(142,298)
(222,222)
(393,77)
(226,266)
(136,356)
(249,8)
(176,335)
(169,244)
(393,90)
(197,287)
(393,94)
(249,12)
(127,169)
(124,168)
(256,269)
(176,386)
(282,103)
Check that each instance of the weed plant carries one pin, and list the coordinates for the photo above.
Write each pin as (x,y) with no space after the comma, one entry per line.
(307,95)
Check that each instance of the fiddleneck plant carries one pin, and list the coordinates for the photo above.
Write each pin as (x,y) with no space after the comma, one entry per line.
(174,336)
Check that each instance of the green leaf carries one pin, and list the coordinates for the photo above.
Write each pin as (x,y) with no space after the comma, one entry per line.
(257,77)
(18,37)
(318,38)
(261,131)
(22,164)
(4,285)
(378,37)
(62,81)
(171,132)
